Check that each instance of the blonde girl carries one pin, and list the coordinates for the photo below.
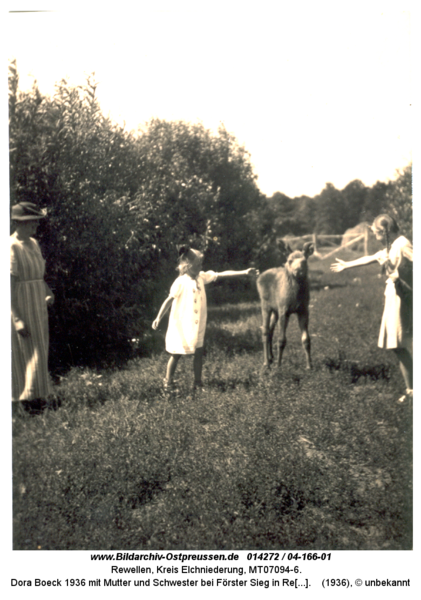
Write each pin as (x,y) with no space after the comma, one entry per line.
(396,326)
(187,322)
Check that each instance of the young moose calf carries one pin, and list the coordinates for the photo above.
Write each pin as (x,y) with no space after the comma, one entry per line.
(284,291)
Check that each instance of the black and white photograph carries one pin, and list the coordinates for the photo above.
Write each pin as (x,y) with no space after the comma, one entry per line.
(210,361)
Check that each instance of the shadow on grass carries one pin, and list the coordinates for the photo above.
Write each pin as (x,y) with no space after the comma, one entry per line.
(230,344)
(231,313)
(357,370)
(146,490)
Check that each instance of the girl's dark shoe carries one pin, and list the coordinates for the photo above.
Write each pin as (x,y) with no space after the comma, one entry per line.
(198,387)
(169,388)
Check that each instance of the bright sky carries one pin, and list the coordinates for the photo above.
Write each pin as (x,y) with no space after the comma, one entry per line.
(315,91)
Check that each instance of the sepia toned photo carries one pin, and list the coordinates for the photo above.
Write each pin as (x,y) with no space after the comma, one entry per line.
(211,267)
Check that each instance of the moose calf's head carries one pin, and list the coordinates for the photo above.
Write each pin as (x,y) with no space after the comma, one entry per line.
(296,263)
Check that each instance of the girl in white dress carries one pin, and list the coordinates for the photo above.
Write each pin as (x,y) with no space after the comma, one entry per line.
(187,322)
(396,326)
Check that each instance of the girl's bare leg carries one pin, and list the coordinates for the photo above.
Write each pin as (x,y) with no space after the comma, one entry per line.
(405,364)
(197,365)
(172,365)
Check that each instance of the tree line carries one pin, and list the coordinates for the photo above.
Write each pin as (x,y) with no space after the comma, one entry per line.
(120,202)
(334,211)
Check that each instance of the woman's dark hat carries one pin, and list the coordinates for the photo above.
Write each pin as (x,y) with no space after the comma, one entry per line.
(26,211)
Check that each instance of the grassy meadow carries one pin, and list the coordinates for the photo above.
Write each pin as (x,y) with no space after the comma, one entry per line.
(263,459)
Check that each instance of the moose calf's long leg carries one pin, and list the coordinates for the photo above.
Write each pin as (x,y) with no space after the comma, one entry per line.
(272,324)
(305,337)
(283,324)
(266,337)
(270,319)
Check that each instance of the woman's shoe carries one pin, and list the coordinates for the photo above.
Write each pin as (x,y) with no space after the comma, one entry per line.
(409,394)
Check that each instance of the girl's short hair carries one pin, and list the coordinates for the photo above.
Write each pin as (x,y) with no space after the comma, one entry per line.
(186,257)
(385,223)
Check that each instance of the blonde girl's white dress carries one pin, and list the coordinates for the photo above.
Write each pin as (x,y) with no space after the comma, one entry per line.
(30,378)
(187,322)
(396,325)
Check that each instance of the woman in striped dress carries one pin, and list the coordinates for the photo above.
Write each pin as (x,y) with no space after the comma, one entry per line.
(30,296)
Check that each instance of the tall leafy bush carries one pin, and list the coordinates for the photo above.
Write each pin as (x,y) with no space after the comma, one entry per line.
(68,158)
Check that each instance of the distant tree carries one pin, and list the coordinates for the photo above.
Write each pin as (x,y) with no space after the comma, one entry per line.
(375,202)
(353,199)
(399,200)
(281,203)
(278,218)
(306,211)
(330,213)
(286,217)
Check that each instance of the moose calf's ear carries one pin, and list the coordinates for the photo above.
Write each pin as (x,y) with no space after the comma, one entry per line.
(308,249)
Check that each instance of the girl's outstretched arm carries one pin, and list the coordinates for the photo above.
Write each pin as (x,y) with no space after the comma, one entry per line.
(226,274)
(162,311)
(341,265)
